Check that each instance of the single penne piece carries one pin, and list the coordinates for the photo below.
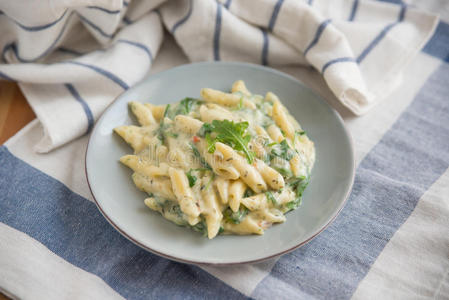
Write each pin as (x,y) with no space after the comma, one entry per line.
(261,132)
(249,225)
(183,193)
(209,114)
(143,167)
(280,117)
(159,186)
(239,86)
(168,212)
(220,166)
(133,135)
(211,210)
(157,111)
(226,99)
(298,168)
(255,202)
(187,124)
(222,186)
(270,216)
(236,191)
(275,133)
(248,173)
(143,114)
(272,177)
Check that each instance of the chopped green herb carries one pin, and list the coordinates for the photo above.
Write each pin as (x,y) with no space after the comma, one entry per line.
(298,133)
(230,133)
(248,193)
(198,155)
(191,178)
(283,171)
(235,217)
(283,151)
(206,128)
(160,132)
(299,185)
(185,106)
(200,227)
(221,229)
(240,105)
(271,144)
(271,198)
(172,134)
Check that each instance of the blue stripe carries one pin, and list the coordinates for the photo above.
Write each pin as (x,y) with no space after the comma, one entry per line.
(94,26)
(355,6)
(112,12)
(438,44)
(184,19)
(125,3)
(217,33)
(274,15)
(228,4)
(138,45)
(337,60)
(39,27)
(100,71)
(47,51)
(310,2)
(317,35)
(89,115)
(127,20)
(381,35)
(389,182)
(6,77)
(265,47)
(73,228)
(70,51)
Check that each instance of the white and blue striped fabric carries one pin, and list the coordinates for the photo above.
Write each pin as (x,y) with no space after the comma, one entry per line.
(391,241)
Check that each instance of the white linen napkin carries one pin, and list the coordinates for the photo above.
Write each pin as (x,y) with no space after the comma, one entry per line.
(73,58)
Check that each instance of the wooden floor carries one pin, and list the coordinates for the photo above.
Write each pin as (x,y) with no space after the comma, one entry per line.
(15,113)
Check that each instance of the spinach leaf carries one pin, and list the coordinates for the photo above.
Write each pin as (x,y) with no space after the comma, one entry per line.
(192,179)
(235,217)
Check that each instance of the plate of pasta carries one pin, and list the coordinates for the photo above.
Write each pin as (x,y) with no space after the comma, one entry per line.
(220,163)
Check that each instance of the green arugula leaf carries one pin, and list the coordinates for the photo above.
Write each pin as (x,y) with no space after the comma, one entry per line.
(229,133)
(185,106)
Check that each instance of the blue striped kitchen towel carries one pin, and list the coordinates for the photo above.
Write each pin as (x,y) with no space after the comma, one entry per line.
(72,58)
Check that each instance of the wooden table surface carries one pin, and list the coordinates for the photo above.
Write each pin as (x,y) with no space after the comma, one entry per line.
(15,113)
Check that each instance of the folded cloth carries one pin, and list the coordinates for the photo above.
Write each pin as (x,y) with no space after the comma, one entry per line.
(73,58)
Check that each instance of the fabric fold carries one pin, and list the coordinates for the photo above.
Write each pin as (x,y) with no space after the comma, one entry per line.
(101,48)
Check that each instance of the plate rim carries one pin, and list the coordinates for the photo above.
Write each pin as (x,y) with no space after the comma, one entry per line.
(195,262)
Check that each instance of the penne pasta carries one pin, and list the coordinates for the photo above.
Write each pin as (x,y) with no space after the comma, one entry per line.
(183,194)
(239,86)
(143,114)
(211,95)
(248,173)
(236,191)
(222,165)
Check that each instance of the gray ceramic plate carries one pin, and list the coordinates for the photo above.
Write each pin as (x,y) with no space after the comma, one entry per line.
(122,204)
